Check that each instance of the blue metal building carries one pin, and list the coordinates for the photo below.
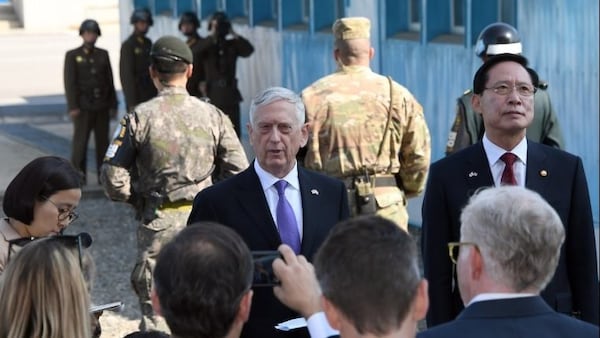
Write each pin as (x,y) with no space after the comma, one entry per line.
(426,45)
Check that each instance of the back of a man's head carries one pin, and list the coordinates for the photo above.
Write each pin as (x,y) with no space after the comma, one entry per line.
(200,278)
(368,270)
(352,40)
(519,236)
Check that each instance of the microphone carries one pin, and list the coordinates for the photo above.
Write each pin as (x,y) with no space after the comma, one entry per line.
(85,239)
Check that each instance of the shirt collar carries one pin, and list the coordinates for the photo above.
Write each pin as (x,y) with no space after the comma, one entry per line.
(498,295)
(494,152)
(267,179)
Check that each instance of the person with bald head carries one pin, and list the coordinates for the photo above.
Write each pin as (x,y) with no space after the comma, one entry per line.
(366,129)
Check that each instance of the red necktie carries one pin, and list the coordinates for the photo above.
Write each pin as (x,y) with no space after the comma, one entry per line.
(508,175)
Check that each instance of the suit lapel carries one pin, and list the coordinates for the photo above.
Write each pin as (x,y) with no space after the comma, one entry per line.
(309,194)
(537,172)
(477,171)
(253,203)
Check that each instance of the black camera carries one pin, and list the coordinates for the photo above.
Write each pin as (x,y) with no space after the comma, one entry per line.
(263,268)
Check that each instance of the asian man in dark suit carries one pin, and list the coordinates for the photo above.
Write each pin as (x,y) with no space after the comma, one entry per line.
(509,248)
(250,202)
(503,95)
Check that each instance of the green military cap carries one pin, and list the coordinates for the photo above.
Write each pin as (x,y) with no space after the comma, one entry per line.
(172,48)
(352,28)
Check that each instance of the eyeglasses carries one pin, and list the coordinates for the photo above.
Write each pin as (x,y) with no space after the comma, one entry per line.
(64,214)
(524,89)
(80,241)
(454,248)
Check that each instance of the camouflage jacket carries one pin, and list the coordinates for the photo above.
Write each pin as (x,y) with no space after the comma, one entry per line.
(167,144)
(347,112)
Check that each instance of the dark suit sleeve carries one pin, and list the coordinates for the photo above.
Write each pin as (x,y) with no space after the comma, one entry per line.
(435,235)
(202,210)
(581,251)
(70,80)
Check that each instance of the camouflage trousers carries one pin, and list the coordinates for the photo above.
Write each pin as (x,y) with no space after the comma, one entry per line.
(390,204)
(150,238)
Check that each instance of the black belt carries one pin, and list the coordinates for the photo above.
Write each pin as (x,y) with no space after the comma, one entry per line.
(379,181)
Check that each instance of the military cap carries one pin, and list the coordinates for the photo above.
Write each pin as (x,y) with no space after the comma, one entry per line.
(172,48)
(351,28)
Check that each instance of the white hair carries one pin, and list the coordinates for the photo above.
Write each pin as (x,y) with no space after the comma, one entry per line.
(518,233)
(273,94)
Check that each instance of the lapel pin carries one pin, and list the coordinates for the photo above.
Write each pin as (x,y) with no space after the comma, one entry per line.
(543,173)
(472,174)
(314,192)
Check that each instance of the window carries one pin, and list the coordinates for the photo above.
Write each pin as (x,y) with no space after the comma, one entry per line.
(414,15)
(264,13)
(458,17)
(403,19)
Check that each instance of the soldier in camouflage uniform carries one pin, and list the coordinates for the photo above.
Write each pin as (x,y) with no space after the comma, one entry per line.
(175,141)
(367,129)
(135,60)
(467,129)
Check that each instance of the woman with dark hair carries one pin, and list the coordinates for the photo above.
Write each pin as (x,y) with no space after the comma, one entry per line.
(39,202)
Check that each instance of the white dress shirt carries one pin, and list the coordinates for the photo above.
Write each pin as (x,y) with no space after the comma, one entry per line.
(292,192)
(494,152)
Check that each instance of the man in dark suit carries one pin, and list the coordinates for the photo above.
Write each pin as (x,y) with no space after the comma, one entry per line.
(369,278)
(250,202)
(509,248)
(503,95)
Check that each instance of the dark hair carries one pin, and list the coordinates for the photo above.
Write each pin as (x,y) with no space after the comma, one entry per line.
(481,76)
(200,278)
(38,180)
(167,66)
(368,268)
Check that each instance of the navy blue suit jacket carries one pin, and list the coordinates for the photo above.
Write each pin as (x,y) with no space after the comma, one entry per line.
(515,317)
(558,177)
(239,202)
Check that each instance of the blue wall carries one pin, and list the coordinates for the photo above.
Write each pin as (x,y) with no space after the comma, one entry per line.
(560,39)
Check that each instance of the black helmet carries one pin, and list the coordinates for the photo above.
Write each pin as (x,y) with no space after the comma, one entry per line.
(89,25)
(498,38)
(189,17)
(173,49)
(141,14)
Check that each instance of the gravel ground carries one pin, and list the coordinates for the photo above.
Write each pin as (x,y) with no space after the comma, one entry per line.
(113,228)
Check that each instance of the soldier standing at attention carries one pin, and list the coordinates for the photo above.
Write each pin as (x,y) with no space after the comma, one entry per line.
(467,129)
(135,60)
(366,129)
(189,25)
(90,93)
(219,57)
(163,155)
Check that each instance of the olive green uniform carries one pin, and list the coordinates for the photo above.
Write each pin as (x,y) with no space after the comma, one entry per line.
(133,67)
(89,87)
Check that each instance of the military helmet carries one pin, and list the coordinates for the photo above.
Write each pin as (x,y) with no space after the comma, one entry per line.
(141,14)
(89,25)
(173,49)
(189,17)
(498,38)
(221,18)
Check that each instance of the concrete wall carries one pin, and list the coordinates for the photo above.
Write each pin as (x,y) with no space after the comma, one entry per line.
(45,15)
